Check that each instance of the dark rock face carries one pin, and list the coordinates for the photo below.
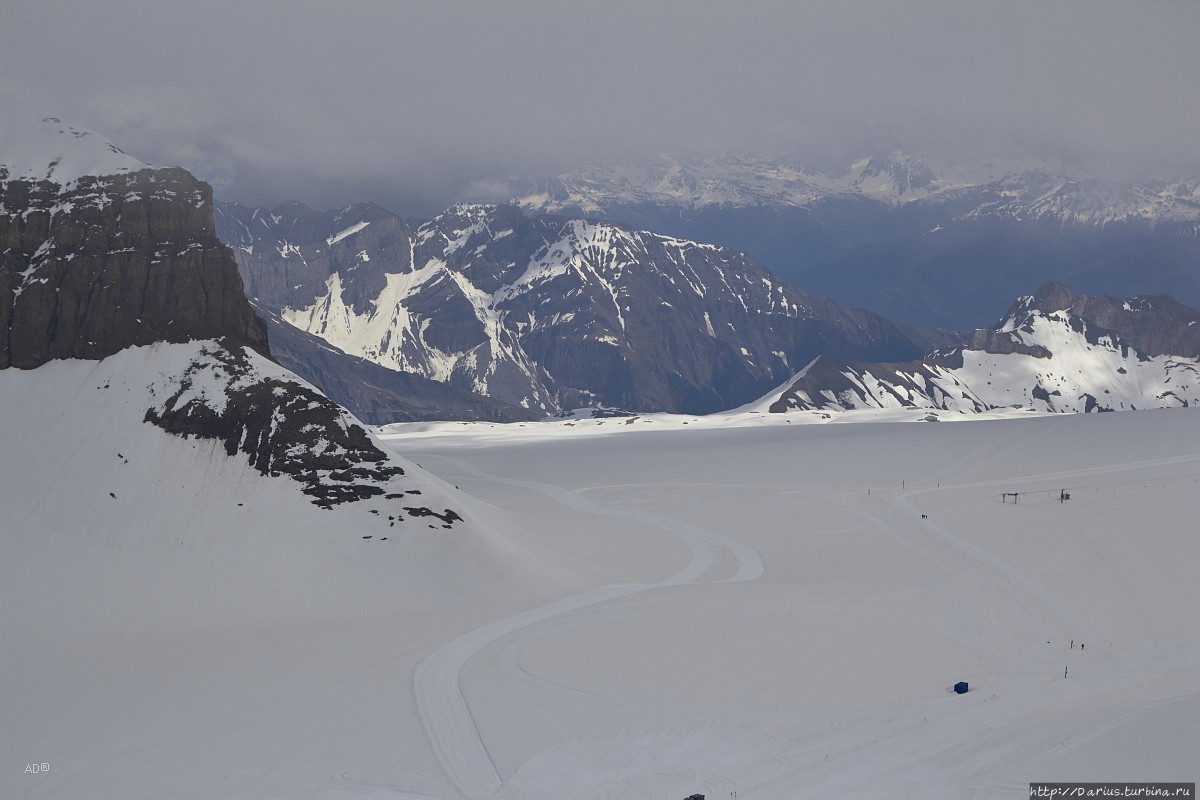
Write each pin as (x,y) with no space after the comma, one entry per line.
(549,313)
(286,254)
(113,262)
(1153,325)
(283,428)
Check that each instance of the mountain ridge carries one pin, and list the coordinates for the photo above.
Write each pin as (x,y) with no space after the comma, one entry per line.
(547,312)
(1053,351)
(933,242)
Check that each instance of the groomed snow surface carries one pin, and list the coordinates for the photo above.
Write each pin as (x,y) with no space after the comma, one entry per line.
(645,611)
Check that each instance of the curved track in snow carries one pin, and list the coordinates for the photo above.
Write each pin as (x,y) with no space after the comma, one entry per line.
(443,709)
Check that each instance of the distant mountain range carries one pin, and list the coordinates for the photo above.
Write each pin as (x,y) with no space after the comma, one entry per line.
(931,242)
(547,313)
(498,313)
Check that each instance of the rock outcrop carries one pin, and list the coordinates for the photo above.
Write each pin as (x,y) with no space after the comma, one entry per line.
(114,261)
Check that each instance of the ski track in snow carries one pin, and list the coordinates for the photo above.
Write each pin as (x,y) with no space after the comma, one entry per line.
(893,760)
(437,691)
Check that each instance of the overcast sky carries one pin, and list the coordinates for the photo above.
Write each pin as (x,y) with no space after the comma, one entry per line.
(406,103)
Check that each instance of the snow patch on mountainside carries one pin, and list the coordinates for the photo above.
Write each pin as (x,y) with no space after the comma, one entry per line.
(471,300)
(1059,368)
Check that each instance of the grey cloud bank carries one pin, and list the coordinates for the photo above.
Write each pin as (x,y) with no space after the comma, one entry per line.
(408,103)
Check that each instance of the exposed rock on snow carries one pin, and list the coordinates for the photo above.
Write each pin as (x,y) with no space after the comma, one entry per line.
(282,426)
(1053,351)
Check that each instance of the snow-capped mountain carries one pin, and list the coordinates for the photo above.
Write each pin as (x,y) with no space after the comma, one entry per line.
(731,181)
(1026,190)
(43,148)
(1053,351)
(1041,195)
(923,240)
(114,285)
(546,313)
(94,263)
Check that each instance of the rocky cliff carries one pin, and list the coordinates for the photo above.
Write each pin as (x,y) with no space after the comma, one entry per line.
(113,261)
(101,254)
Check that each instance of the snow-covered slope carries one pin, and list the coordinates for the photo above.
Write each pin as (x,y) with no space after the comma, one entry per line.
(1076,200)
(262,547)
(775,612)
(546,313)
(45,148)
(1052,352)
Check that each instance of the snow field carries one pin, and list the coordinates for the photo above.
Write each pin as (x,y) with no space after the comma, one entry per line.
(836,663)
(208,632)
(630,610)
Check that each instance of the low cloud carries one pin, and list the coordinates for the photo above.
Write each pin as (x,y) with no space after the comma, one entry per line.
(416,104)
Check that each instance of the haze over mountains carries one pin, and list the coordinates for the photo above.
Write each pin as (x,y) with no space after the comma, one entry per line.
(417,459)
(549,313)
(494,312)
(938,242)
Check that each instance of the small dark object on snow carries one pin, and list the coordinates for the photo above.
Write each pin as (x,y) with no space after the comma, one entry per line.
(960,687)
(693,796)
(113,496)
(366,537)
